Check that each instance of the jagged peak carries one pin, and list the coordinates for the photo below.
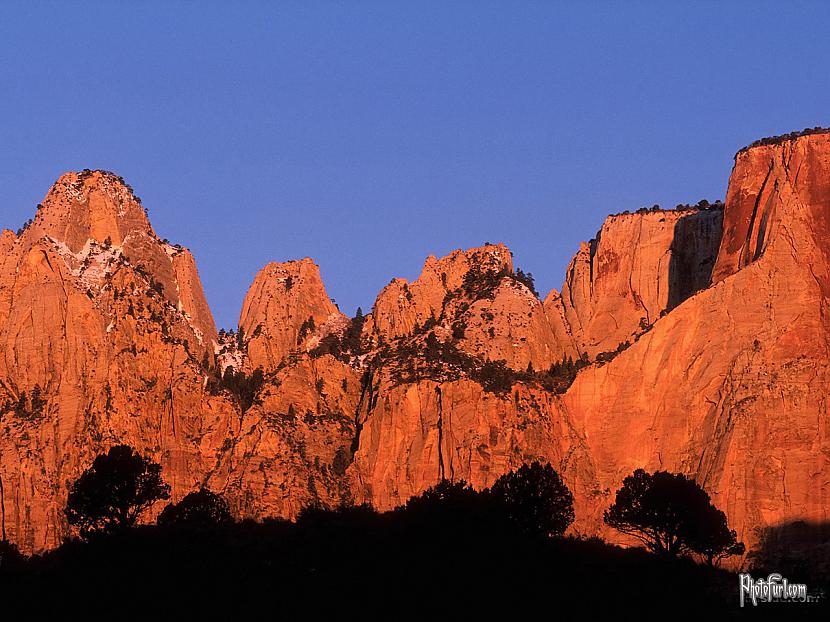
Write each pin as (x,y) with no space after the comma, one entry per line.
(285,308)
(90,205)
(297,279)
(488,256)
(447,273)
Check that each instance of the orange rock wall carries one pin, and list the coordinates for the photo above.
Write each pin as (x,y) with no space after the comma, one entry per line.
(726,382)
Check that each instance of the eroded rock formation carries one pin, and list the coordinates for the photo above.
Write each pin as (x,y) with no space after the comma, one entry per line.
(104,334)
(702,337)
(731,386)
(639,267)
(286,310)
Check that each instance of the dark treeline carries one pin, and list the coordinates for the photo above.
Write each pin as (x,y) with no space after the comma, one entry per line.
(451,552)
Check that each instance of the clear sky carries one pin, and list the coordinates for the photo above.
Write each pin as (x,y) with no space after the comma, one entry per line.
(368,135)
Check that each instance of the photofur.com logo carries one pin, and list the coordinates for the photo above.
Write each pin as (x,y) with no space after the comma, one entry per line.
(773,589)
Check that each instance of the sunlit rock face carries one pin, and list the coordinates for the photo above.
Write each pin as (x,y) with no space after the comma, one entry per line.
(703,335)
(286,311)
(105,337)
(476,295)
(638,268)
(731,386)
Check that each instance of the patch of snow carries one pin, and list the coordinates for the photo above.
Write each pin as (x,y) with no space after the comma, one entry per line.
(172,250)
(92,264)
(228,354)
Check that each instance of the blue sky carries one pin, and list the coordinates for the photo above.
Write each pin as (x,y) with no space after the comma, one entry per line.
(368,135)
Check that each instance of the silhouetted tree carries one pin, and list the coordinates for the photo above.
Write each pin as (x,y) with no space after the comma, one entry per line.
(201,509)
(712,539)
(114,491)
(535,498)
(10,556)
(670,514)
(446,500)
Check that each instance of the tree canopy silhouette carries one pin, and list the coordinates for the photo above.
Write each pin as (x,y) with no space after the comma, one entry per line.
(10,556)
(114,491)
(671,514)
(712,539)
(201,510)
(447,503)
(536,499)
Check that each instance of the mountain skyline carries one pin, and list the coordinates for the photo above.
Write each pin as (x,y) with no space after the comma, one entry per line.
(674,337)
(371,137)
(364,307)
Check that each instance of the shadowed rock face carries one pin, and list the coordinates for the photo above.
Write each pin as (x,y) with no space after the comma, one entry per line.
(725,376)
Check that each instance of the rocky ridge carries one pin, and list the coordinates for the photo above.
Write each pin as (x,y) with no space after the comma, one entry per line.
(694,340)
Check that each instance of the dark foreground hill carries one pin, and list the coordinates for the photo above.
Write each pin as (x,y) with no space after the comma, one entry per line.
(356,564)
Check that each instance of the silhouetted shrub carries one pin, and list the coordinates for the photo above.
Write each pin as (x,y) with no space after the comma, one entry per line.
(114,491)
(347,515)
(536,499)
(446,501)
(199,510)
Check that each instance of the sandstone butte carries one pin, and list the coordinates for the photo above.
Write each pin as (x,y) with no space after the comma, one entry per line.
(702,334)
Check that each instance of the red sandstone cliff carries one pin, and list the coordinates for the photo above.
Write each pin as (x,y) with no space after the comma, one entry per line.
(103,334)
(731,387)
(639,266)
(286,310)
(447,377)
